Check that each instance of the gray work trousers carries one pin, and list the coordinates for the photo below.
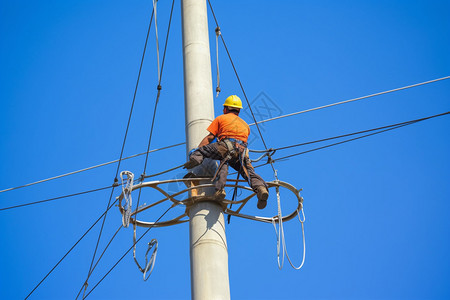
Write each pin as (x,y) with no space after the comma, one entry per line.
(219,151)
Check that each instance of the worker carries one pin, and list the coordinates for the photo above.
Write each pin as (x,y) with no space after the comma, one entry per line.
(232,134)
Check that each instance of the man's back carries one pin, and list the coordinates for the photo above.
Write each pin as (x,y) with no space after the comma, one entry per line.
(231,126)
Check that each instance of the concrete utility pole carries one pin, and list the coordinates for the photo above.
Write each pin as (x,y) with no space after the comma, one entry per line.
(208,247)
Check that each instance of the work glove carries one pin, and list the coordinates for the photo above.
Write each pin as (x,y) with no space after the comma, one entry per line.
(192,151)
(190,164)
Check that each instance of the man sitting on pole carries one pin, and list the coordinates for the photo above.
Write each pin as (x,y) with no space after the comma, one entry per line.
(231,149)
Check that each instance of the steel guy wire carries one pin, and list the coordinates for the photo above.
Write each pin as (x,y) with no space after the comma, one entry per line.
(56,198)
(67,253)
(129,249)
(352,100)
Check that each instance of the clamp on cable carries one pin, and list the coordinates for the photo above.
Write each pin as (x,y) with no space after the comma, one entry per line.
(268,153)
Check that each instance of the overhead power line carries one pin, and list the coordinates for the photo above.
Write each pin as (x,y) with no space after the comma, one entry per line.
(259,122)
(89,168)
(160,73)
(56,198)
(122,257)
(124,139)
(352,100)
(100,258)
(364,131)
(241,85)
(70,250)
(378,131)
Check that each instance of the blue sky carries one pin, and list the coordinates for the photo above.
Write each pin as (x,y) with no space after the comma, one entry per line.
(376,209)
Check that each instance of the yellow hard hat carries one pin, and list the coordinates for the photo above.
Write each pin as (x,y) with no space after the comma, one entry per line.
(233,101)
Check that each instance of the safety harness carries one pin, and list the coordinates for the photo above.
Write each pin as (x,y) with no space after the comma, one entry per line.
(235,148)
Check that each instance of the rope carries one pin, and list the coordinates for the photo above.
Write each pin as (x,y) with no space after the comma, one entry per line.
(352,100)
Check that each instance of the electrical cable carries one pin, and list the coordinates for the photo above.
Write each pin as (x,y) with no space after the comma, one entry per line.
(354,99)
(158,88)
(100,257)
(399,125)
(262,121)
(252,124)
(237,75)
(166,171)
(157,97)
(154,12)
(120,259)
(123,144)
(90,168)
(342,142)
(358,132)
(242,87)
(56,198)
(67,253)
(381,130)
(217,61)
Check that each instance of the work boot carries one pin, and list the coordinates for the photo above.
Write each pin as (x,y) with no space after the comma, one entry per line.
(262,194)
(220,194)
(190,164)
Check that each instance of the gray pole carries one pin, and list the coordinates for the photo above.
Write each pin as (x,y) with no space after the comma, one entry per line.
(208,247)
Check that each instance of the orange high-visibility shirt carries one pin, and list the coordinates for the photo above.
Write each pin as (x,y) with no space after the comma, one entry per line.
(231,126)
